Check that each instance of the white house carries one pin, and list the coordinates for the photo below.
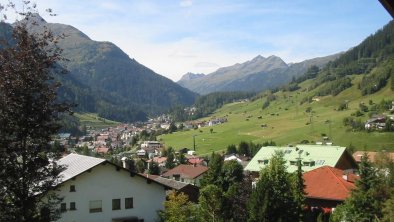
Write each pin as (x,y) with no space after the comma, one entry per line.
(96,190)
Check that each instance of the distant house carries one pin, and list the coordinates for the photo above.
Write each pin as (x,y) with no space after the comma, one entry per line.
(187,173)
(372,156)
(161,161)
(378,122)
(151,146)
(312,157)
(94,189)
(194,160)
(325,188)
(141,153)
(102,149)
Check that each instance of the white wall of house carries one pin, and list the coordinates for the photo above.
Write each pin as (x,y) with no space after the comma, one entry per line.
(105,183)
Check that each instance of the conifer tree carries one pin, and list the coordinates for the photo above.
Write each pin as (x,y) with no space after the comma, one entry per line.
(213,174)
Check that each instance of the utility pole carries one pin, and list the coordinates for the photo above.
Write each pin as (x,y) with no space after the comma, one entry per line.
(194,142)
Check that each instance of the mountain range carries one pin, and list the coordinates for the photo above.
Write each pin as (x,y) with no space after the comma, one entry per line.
(256,75)
(105,80)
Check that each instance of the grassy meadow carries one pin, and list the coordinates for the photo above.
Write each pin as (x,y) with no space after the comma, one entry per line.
(285,121)
(94,121)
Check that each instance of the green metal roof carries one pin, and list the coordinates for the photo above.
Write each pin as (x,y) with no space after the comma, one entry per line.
(312,157)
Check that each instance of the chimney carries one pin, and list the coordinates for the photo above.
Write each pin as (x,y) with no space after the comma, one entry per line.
(124,162)
(345,176)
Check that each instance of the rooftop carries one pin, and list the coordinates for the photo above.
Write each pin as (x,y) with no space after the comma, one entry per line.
(187,171)
(328,183)
(312,157)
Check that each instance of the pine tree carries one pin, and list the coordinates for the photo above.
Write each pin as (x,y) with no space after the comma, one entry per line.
(299,192)
(212,176)
(366,201)
(29,115)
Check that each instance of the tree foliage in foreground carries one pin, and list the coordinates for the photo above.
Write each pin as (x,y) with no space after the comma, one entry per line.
(274,197)
(368,198)
(178,208)
(29,114)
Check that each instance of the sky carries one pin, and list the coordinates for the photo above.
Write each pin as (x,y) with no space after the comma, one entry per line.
(173,37)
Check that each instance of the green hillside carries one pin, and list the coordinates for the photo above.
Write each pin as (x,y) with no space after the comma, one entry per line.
(356,86)
(288,122)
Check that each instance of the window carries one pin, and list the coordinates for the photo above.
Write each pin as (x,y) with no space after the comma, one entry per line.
(115,204)
(72,188)
(128,204)
(72,206)
(287,151)
(320,162)
(63,207)
(292,162)
(95,206)
(265,161)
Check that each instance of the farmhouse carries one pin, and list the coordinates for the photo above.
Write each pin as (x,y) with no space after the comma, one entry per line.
(311,156)
(94,189)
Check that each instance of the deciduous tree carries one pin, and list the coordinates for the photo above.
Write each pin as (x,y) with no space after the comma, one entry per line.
(29,115)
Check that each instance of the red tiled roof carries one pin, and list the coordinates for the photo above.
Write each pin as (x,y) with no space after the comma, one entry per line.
(195,160)
(102,150)
(328,183)
(187,171)
(158,160)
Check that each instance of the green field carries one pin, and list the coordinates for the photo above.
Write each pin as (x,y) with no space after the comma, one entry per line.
(288,123)
(94,121)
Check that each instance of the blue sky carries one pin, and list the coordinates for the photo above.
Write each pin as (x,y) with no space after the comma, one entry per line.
(173,37)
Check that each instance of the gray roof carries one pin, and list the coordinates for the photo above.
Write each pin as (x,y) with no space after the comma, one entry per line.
(76,164)
(177,185)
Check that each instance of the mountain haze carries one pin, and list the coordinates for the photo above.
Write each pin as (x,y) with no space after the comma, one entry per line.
(255,75)
(103,79)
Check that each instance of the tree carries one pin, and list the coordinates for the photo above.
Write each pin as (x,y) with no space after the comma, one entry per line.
(154,168)
(213,174)
(299,191)
(243,148)
(29,116)
(231,149)
(178,208)
(170,159)
(140,166)
(211,203)
(366,200)
(232,173)
(273,197)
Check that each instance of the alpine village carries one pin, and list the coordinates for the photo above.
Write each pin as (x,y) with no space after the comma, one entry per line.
(88,134)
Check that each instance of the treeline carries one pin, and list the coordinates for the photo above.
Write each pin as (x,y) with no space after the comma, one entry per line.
(207,104)
(247,149)
(360,60)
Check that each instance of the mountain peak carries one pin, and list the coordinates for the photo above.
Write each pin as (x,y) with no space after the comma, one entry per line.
(259,57)
(190,76)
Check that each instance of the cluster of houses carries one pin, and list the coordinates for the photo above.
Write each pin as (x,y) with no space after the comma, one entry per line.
(95,189)
(379,122)
(198,124)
